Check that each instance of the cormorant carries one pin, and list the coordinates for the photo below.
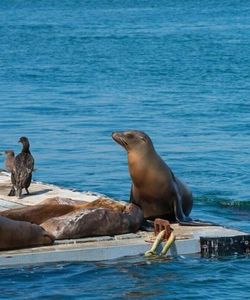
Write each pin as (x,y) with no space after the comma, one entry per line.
(21,174)
(9,161)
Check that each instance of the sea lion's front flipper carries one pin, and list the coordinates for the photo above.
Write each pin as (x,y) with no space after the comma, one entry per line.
(196,223)
(178,210)
(181,218)
(131,198)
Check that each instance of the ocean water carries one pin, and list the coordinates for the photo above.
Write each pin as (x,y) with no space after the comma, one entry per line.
(72,72)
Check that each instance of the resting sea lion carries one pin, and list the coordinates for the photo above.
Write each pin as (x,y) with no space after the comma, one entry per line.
(155,188)
(38,213)
(19,234)
(68,219)
(56,207)
(96,221)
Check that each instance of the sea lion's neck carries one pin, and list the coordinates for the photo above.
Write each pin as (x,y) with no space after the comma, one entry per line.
(139,164)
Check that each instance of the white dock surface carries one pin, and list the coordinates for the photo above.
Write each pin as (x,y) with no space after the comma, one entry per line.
(98,248)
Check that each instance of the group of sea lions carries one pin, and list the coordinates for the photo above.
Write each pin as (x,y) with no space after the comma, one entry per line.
(63,218)
(155,192)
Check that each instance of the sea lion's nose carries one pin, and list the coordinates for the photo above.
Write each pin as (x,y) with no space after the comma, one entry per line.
(115,134)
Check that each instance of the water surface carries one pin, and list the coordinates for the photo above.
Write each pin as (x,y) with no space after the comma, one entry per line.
(71,72)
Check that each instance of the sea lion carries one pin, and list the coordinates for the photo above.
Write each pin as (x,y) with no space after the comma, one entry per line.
(21,174)
(38,213)
(95,221)
(57,206)
(63,200)
(155,188)
(68,219)
(19,234)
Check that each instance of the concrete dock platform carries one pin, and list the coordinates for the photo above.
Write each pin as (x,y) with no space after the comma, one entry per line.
(38,192)
(106,247)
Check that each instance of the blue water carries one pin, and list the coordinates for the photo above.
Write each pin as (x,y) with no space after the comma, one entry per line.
(71,72)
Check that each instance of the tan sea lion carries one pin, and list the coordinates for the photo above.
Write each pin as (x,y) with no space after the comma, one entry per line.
(68,219)
(103,202)
(62,200)
(56,207)
(38,213)
(52,208)
(155,188)
(96,221)
(19,234)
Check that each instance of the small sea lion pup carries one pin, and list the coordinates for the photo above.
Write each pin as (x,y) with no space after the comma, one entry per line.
(23,167)
(155,188)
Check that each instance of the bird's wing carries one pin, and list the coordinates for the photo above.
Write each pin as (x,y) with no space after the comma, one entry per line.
(30,163)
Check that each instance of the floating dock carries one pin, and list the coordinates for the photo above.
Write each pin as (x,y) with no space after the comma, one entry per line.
(207,240)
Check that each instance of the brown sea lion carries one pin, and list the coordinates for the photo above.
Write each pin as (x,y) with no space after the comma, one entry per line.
(23,167)
(56,207)
(95,221)
(38,213)
(19,234)
(155,188)
(103,202)
(62,200)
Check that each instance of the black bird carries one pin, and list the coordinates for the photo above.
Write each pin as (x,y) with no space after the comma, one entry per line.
(21,174)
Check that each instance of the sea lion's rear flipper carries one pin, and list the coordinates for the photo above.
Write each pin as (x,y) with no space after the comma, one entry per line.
(184,220)
(191,222)
(147,225)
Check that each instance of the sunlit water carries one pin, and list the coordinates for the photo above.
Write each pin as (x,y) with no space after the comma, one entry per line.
(71,72)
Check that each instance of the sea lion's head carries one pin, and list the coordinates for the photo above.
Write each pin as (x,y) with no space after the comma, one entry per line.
(47,238)
(133,140)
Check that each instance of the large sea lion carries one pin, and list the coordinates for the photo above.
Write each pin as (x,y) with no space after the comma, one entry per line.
(38,213)
(96,221)
(56,207)
(66,218)
(155,188)
(19,234)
